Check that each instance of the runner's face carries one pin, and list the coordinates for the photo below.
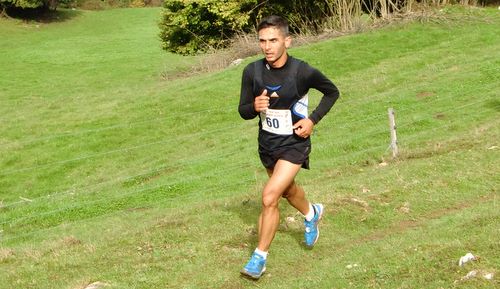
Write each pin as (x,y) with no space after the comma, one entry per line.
(274,44)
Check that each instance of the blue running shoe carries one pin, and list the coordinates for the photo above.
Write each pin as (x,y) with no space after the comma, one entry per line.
(311,234)
(255,267)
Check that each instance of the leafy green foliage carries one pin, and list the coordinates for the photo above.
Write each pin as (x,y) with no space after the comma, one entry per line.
(34,4)
(24,3)
(189,26)
(300,13)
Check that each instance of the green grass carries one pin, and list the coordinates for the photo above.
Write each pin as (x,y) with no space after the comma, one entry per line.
(109,172)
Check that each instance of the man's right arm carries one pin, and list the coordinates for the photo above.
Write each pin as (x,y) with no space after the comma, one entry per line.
(246,107)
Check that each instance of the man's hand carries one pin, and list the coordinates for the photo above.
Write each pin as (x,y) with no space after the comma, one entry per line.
(303,127)
(261,102)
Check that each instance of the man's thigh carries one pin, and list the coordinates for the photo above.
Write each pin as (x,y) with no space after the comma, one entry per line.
(281,177)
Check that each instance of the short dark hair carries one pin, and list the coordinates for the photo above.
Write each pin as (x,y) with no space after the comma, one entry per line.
(274,21)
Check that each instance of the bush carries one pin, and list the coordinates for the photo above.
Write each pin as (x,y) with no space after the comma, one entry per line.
(189,26)
(24,3)
(301,14)
(31,8)
(489,2)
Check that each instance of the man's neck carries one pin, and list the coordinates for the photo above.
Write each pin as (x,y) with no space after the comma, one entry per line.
(280,62)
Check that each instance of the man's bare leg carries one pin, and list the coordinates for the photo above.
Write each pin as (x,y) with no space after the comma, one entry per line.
(281,179)
(296,197)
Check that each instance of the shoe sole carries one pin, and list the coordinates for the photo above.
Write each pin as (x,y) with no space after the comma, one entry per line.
(252,276)
(319,219)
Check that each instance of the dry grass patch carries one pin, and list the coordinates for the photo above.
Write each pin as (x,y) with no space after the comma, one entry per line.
(246,45)
(70,241)
(5,254)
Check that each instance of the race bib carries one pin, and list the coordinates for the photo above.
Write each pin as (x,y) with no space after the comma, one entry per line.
(277,121)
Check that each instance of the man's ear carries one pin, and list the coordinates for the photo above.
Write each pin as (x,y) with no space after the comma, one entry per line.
(288,41)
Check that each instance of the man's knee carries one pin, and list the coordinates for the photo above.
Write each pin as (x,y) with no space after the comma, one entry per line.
(270,198)
(270,202)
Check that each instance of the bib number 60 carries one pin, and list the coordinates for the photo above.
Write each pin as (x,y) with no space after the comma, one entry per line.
(272,122)
(277,121)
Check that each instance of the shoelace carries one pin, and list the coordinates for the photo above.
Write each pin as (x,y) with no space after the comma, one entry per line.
(255,260)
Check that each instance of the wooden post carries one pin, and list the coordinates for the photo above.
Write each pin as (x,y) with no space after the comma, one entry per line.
(392,126)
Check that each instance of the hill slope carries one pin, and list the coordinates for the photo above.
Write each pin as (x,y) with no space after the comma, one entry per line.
(109,173)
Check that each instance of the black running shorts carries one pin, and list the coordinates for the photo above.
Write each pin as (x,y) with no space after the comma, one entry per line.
(297,155)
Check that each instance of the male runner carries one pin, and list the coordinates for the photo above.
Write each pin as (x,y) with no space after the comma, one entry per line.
(275,88)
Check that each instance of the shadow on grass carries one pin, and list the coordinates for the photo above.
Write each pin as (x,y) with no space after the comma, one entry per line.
(42,15)
(494,104)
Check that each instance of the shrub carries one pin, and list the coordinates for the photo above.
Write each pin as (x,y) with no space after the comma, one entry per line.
(23,3)
(33,7)
(189,26)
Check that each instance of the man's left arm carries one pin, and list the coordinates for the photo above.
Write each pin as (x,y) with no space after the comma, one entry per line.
(319,81)
(313,78)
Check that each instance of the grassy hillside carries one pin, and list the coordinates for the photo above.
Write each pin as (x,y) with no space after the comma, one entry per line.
(110,173)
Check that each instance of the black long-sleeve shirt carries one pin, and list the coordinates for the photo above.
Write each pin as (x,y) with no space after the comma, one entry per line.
(290,83)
